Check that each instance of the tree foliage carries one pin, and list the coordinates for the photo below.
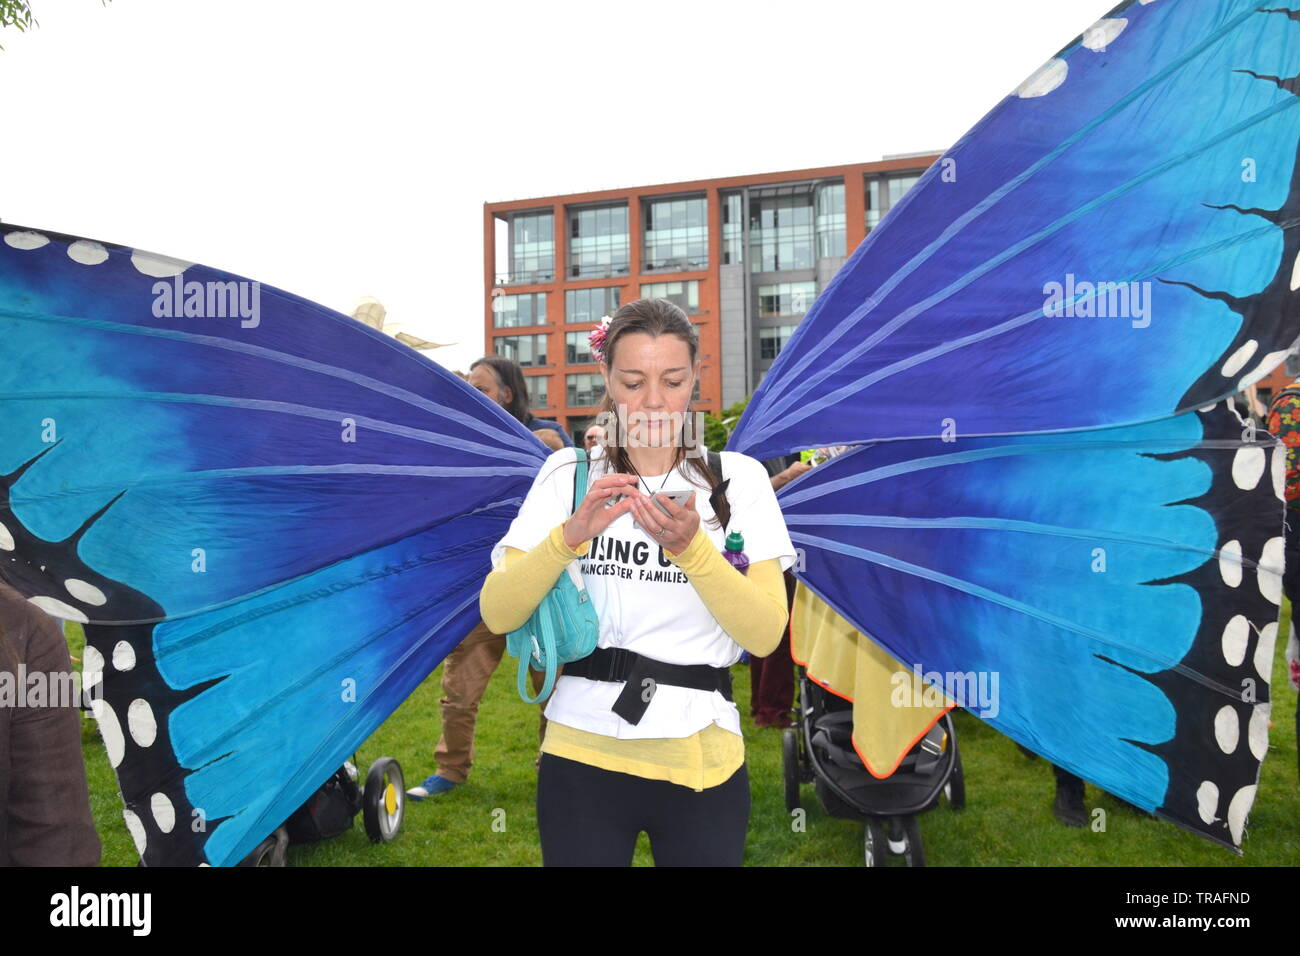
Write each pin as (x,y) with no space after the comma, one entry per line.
(717,429)
(17,14)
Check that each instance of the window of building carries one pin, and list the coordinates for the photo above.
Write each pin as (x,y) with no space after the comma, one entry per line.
(685,295)
(577,349)
(585,388)
(894,187)
(898,186)
(676,234)
(589,306)
(785,298)
(527,350)
(532,247)
(781,233)
(733,238)
(771,341)
(513,311)
(830,220)
(538,391)
(598,243)
(873,203)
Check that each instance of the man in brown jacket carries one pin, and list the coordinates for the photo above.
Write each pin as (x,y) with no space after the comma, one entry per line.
(44,801)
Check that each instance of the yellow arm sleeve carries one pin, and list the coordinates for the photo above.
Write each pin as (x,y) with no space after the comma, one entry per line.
(512,592)
(750,607)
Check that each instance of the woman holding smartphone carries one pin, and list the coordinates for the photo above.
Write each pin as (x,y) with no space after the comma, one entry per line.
(643,735)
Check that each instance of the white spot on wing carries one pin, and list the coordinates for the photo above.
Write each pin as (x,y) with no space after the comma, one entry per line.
(1257,732)
(1238,359)
(6,539)
(1235,635)
(160,267)
(92,667)
(1045,79)
(1099,36)
(1295,274)
(1270,570)
(85,592)
(123,656)
(140,720)
(1278,468)
(56,608)
(1248,467)
(136,829)
(1264,651)
(1227,729)
(1237,810)
(87,253)
(26,239)
(1207,800)
(164,814)
(110,729)
(1230,563)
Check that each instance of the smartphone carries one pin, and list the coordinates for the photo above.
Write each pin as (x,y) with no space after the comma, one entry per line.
(678,498)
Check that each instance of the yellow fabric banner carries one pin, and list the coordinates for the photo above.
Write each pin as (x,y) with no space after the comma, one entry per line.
(892,708)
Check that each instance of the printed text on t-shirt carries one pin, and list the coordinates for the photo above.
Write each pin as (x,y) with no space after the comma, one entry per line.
(628,559)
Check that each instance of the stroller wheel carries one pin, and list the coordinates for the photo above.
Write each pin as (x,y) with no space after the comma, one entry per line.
(790,766)
(903,838)
(273,851)
(875,848)
(384,800)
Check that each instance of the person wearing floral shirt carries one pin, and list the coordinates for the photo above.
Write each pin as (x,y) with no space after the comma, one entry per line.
(1284,423)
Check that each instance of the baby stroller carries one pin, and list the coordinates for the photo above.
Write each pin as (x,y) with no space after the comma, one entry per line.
(819,750)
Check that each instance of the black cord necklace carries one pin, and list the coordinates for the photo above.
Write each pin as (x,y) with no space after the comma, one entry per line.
(643,481)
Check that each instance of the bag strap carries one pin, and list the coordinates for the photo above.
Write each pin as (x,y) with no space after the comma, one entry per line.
(579,480)
(548,636)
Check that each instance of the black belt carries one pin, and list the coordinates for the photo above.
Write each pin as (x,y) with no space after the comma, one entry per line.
(642,675)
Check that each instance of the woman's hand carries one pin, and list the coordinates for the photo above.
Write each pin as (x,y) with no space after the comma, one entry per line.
(675,530)
(593,516)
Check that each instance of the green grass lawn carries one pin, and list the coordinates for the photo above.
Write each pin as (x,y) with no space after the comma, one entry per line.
(491,822)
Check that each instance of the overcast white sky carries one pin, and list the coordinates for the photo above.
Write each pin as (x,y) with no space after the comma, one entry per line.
(345,149)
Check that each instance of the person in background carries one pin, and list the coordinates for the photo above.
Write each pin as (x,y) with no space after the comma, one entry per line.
(44,800)
(1284,424)
(502,380)
(468,668)
(593,436)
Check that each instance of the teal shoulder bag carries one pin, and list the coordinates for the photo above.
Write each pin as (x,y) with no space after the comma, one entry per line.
(565,626)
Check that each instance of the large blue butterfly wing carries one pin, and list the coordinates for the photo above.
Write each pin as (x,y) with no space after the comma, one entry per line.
(273,521)
(255,450)
(1142,185)
(1111,250)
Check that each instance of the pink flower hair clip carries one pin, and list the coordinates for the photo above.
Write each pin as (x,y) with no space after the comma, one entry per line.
(596,338)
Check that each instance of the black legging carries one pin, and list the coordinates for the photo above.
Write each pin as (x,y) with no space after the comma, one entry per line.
(588,816)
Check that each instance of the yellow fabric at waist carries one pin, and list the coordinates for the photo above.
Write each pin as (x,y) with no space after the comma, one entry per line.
(704,759)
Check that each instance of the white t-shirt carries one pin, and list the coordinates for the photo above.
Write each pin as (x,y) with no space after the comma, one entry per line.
(644,601)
